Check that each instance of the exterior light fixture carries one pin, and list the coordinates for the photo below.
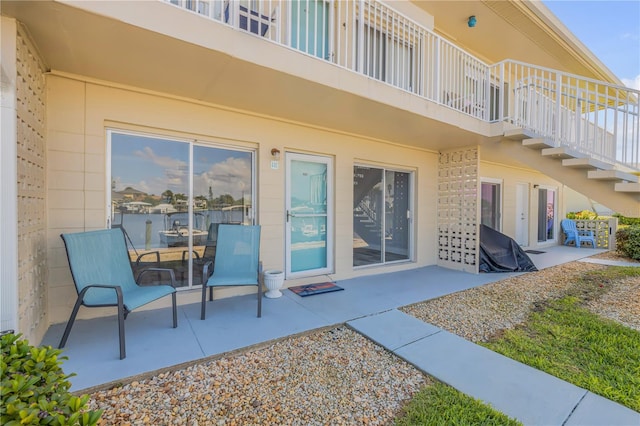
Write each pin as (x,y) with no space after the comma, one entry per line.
(472,21)
(275,157)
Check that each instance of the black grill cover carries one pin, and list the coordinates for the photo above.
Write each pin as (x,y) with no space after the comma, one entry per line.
(499,253)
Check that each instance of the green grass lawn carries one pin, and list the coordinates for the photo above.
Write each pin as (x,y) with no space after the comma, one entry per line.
(561,338)
(568,341)
(440,404)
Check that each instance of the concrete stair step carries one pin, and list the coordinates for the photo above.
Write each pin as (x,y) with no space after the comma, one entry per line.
(627,187)
(519,134)
(612,175)
(537,143)
(562,152)
(586,163)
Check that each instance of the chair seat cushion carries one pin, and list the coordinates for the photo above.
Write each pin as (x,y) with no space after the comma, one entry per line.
(236,279)
(133,297)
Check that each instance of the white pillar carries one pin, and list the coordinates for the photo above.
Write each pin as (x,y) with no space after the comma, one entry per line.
(8,177)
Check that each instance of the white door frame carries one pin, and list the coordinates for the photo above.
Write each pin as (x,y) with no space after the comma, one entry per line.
(290,156)
(522,214)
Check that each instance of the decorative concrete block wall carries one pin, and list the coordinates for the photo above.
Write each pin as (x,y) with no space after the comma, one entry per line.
(32,247)
(458,235)
(604,231)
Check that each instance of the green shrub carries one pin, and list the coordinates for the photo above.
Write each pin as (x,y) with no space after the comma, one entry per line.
(623,220)
(584,215)
(628,241)
(35,390)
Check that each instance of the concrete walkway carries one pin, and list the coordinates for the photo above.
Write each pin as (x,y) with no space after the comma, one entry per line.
(522,392)
(610,262)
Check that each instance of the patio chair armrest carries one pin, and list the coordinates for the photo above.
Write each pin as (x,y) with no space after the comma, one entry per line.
(184,253)
(113,286)
(207,270)
(156,253)
(172,274)
(116,288)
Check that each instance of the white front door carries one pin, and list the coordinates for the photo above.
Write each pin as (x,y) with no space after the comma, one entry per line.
(309,210)
(522,214)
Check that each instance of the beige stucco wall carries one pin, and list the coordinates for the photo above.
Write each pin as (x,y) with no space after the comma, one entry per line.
(31,190)
(80,111)
(511,176)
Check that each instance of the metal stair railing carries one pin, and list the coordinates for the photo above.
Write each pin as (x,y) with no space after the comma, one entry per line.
(596,118)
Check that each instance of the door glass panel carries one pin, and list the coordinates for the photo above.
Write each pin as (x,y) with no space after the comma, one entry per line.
(308,215)
(368,215)
(149,186)
(400,64)
(375,53)
(222,189)
(490,205)
(396,227)
(551,214)
(310,27)
(546,214)
(381,221)
(151,197)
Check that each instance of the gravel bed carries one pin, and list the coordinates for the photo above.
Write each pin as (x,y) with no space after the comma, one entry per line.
(479,313)
(336,376)
(621,303)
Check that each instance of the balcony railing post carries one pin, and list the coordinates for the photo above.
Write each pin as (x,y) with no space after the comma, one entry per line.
(501,94)
(234,9)
(436,71)
(360,21)
(558,110)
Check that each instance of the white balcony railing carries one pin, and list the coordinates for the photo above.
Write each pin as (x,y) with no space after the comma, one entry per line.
(372,39)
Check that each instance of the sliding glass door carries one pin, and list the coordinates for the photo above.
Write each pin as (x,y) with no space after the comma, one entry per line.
(381,216)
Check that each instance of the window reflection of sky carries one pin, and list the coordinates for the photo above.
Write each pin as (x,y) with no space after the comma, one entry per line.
(307,185)
(153,165)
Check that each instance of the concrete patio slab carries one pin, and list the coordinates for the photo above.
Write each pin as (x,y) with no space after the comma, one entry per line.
(151,344)
(231,323)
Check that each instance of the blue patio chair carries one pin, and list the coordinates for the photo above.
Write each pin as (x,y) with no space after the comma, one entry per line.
(573,234)
(101,270)
(236,262)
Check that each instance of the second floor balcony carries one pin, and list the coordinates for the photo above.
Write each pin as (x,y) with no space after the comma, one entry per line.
(358,66)
(374,40)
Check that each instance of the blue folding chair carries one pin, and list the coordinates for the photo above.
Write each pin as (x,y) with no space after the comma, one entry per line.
(236,262)
(101,270)
(573,234)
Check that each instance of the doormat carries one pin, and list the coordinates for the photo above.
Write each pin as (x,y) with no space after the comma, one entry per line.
(534,251)
(311,289)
